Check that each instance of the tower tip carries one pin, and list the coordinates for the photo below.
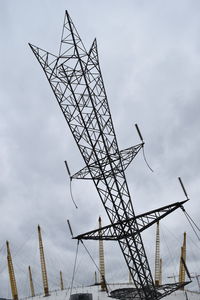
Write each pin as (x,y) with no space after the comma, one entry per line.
(32,46)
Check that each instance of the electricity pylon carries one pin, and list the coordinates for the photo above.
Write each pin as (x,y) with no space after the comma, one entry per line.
(76,80)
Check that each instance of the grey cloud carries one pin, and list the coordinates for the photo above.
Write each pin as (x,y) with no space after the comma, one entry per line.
(149,54)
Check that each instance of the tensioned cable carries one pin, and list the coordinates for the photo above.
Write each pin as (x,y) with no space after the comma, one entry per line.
(171,256)
(3,246)
(2,253)
(186,295)
(15,253)
(94,263)
(194,243)
(190,222)
(195,265)
(74,268)
(90,256)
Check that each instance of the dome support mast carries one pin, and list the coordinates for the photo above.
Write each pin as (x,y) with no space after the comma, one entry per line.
(43,264)
(31,282)
(11,271)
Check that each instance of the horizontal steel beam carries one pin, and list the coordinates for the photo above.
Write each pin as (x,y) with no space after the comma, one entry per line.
(112,232)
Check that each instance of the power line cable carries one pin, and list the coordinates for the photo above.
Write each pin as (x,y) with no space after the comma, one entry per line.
(74,267)
(193,221)
(95,264)
(190,222)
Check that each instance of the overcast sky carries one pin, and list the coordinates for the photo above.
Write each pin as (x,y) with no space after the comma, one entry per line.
(150,59)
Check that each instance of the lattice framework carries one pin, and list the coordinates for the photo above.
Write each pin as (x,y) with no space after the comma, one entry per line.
(76,80)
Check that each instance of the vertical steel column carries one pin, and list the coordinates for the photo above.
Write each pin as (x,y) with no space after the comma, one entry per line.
(11,271)
(43,264)
(61,281)
(101,259)
(31,282)
(157,256)
(160,277)
(183,256)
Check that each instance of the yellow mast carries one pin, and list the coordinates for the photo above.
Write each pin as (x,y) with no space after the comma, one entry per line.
(183,256)
(160,277)
(43,264)
(184,252)
(13,283)
(181,266)
(61,282)
(95,278)
(157,256)
(101,260)
(31,282)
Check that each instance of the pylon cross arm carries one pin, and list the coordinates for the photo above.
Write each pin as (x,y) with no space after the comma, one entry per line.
(114,231)
(122,161)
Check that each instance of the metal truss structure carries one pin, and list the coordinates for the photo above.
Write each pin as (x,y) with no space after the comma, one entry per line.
(144,221)
(76,80)
(132,293)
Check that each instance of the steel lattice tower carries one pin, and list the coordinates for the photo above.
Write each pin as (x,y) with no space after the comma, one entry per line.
(76,80)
